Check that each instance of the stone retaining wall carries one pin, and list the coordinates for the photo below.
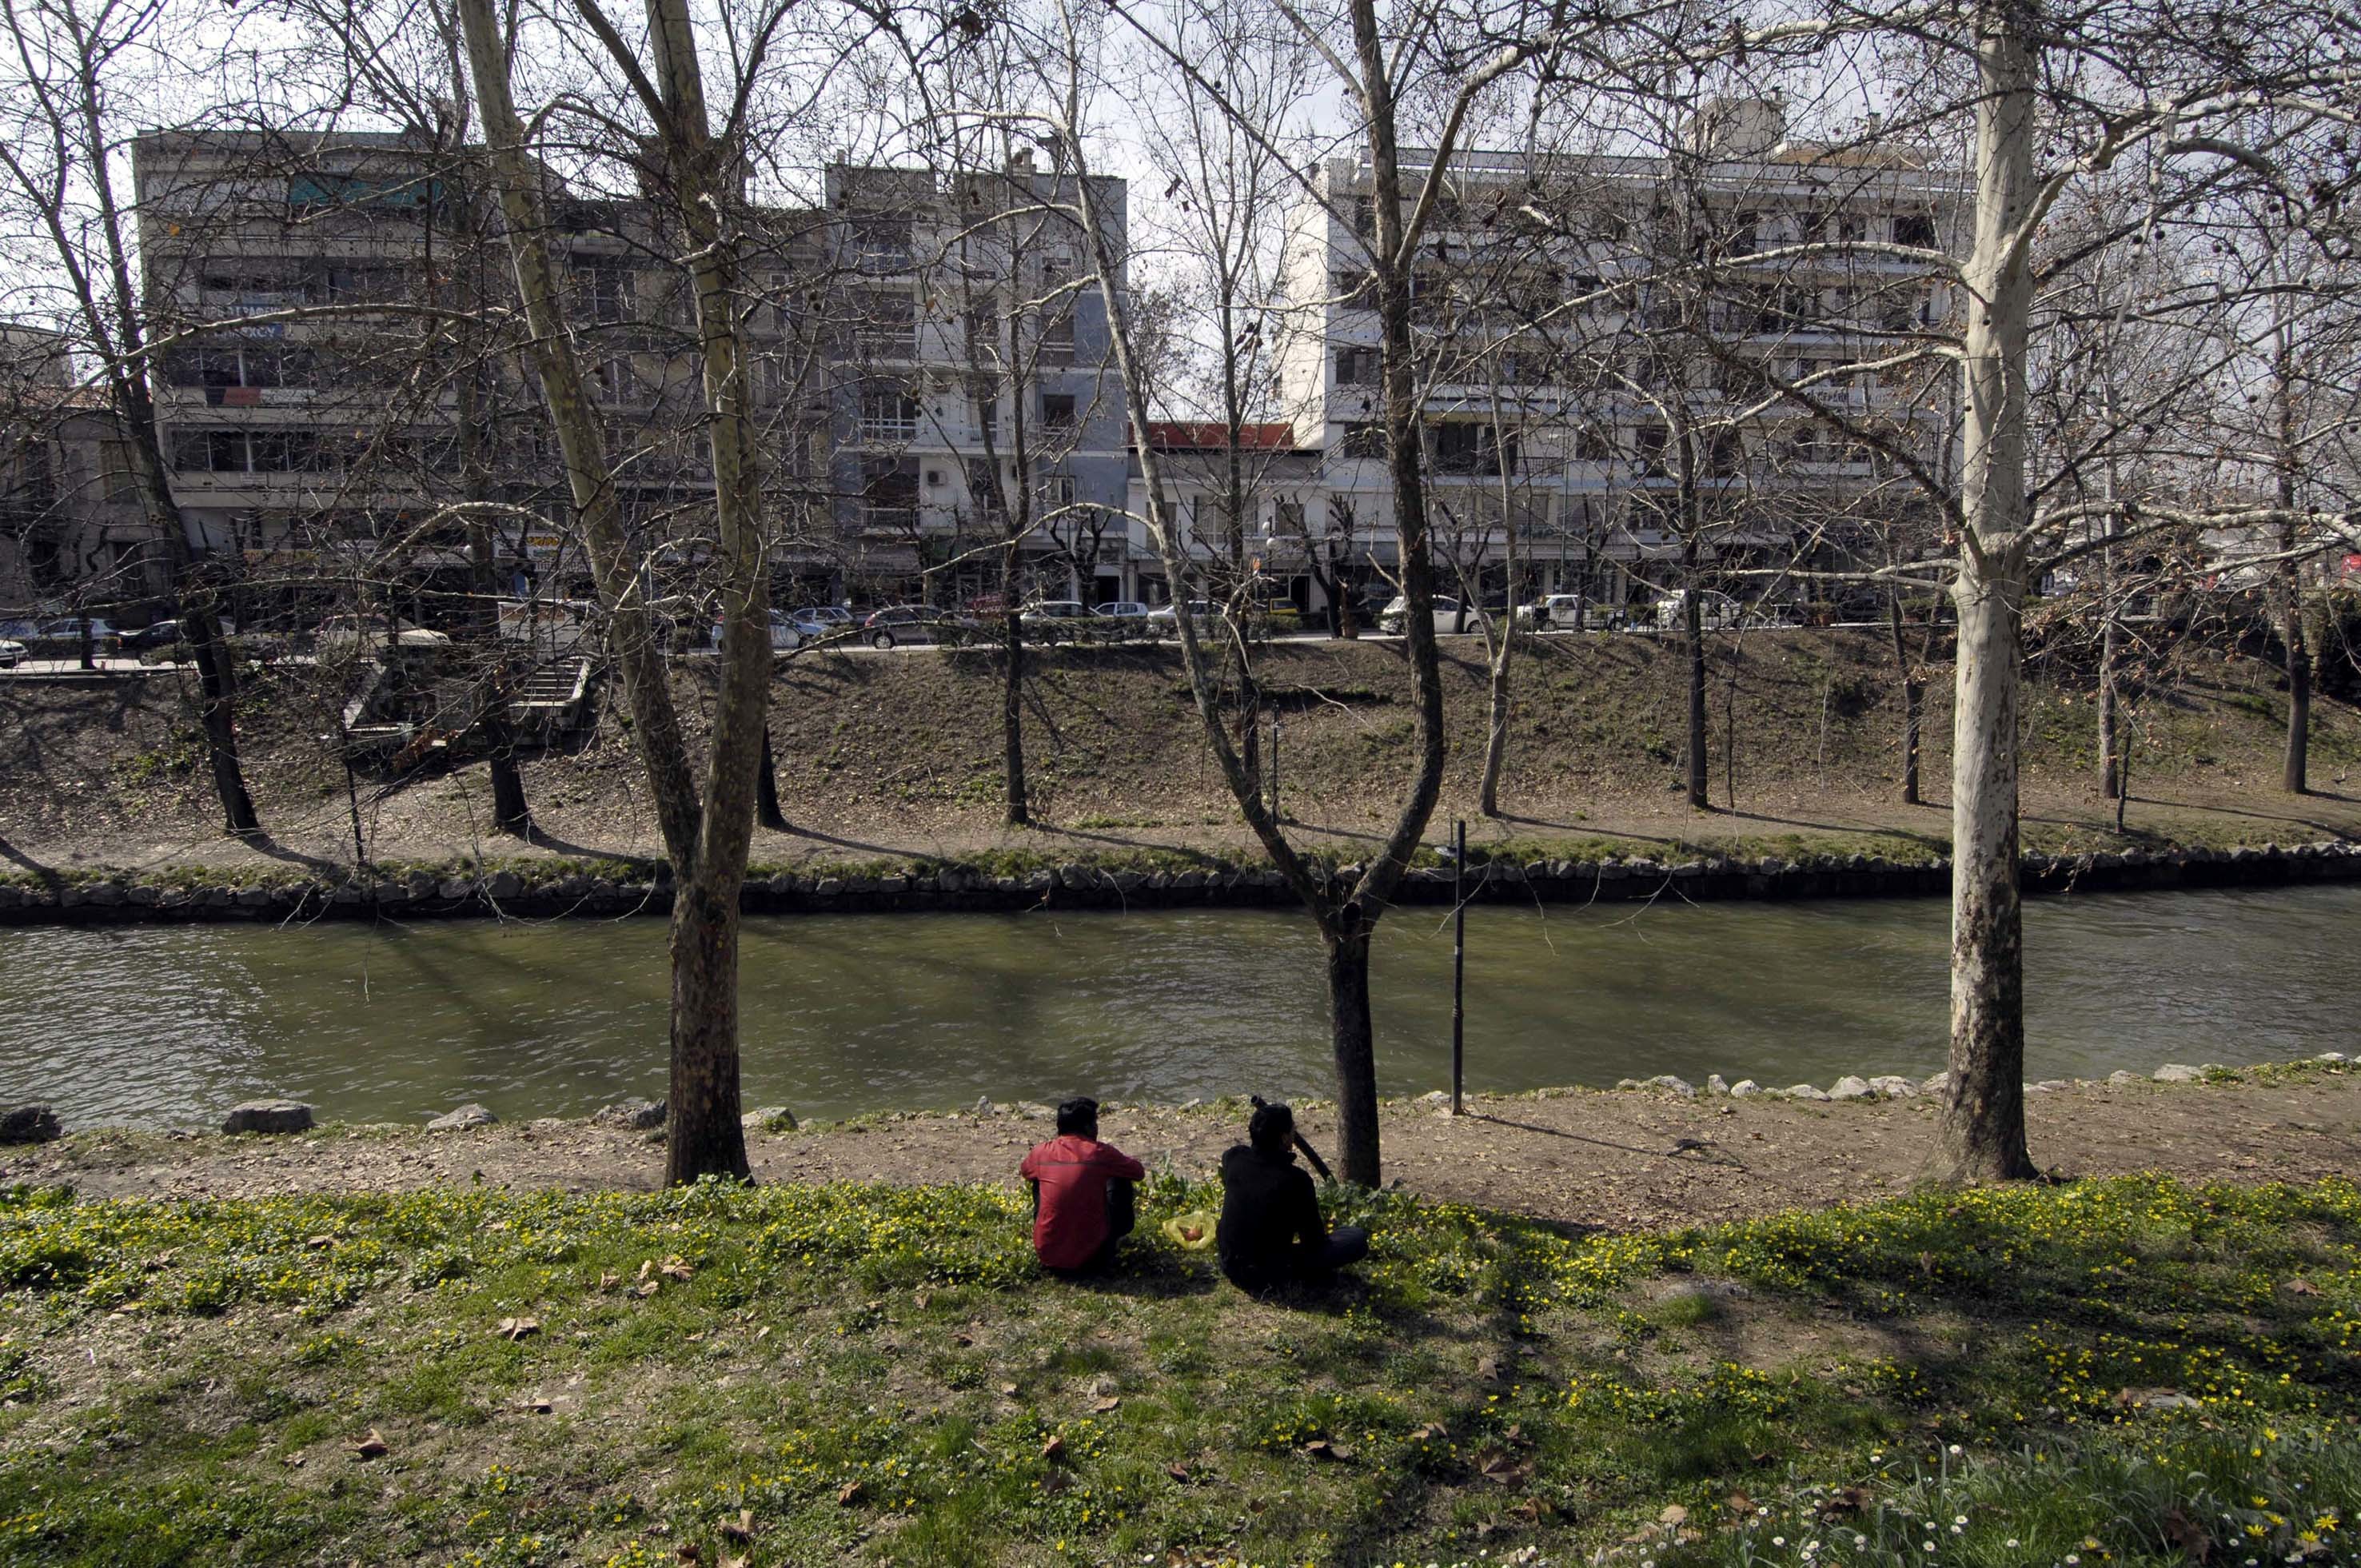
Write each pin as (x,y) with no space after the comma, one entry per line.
(1081,886)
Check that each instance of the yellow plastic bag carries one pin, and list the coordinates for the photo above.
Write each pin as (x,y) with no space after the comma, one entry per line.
(1192,1232)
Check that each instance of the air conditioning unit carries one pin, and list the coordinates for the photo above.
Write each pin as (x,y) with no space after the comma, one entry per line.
(934,477)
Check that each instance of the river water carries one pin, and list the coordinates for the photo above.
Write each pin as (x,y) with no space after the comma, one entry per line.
(166,1026)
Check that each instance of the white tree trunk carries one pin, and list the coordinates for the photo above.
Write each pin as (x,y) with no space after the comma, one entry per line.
(1983,1122)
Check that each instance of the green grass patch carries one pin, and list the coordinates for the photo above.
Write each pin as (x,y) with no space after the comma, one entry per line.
(2128,1371)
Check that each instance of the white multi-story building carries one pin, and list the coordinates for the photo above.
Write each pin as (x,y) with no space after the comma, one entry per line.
(978,413)
(1603,343)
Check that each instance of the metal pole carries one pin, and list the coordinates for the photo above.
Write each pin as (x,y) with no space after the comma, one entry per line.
(1458,967)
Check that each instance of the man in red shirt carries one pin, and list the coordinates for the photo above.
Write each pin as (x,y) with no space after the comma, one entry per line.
(1081,1193)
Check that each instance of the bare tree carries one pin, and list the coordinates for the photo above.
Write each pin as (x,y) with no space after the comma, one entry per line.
(63,156)
(696,172)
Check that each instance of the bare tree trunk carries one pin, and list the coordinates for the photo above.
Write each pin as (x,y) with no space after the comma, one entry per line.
(1983,1117)
(2298,665)
(1495,731)
(2292,644)
(704,1132)
(217,702)
(510,811)
(1352,1034)
(2110,742)
(1693,624)
(767,810)
(1012,694)
(705,832)
(2291,638)
(1913,696)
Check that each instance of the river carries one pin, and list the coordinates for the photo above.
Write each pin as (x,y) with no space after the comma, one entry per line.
(166,1026)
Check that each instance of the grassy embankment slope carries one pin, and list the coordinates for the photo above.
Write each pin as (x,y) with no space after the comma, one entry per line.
(2130,1371)
(887,755)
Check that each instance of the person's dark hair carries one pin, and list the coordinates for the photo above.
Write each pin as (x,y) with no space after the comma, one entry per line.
(1079,1116)
(1272,1131)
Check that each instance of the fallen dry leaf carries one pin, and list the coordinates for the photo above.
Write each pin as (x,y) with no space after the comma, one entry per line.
(1106,1405)
(371,1447)
(1055,1448)
(608,1281)
(848,1493)
(1674,1514)
(518,1328)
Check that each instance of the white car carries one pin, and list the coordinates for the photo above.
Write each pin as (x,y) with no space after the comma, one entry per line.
(1553,612)
(1715,612)
(1121,609)
(1449,615)
(369,631)
(1050,619)
(12,653)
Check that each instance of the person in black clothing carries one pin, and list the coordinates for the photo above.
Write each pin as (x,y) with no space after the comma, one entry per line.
(1271,1231)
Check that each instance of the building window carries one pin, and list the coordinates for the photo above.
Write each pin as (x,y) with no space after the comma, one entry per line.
(341,284)
(1916,229)
(880,244)
(983,487)
(1358,367)
(1355,291)
(1363,438)
(1057,341)
(888,414)
(1649,443)
(884,325)
(1463,447)
(1057,410)
(604,288)
(617,384)
(889,494)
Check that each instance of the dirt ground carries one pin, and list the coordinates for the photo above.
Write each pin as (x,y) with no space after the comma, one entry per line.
(898,754)
(1614,1159)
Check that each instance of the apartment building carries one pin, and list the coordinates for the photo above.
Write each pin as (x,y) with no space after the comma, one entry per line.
(978,415)
(346,369)
(1603,343)
(71,525)
(930,366)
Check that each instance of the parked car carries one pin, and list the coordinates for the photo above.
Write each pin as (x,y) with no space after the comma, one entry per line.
(1553,612)
(1450,615)
(157,634)
(1164,620)
(1715,612)
(812,624)
(12,653)
(339,632)
(62,638)
(1052,621)
(1121,609)
(786,635)
(917,624)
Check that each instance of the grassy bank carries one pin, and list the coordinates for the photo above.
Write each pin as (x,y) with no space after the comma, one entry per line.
(899,756)
(2128,1371)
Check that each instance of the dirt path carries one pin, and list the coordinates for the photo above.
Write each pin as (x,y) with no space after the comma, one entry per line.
(1615,1159)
